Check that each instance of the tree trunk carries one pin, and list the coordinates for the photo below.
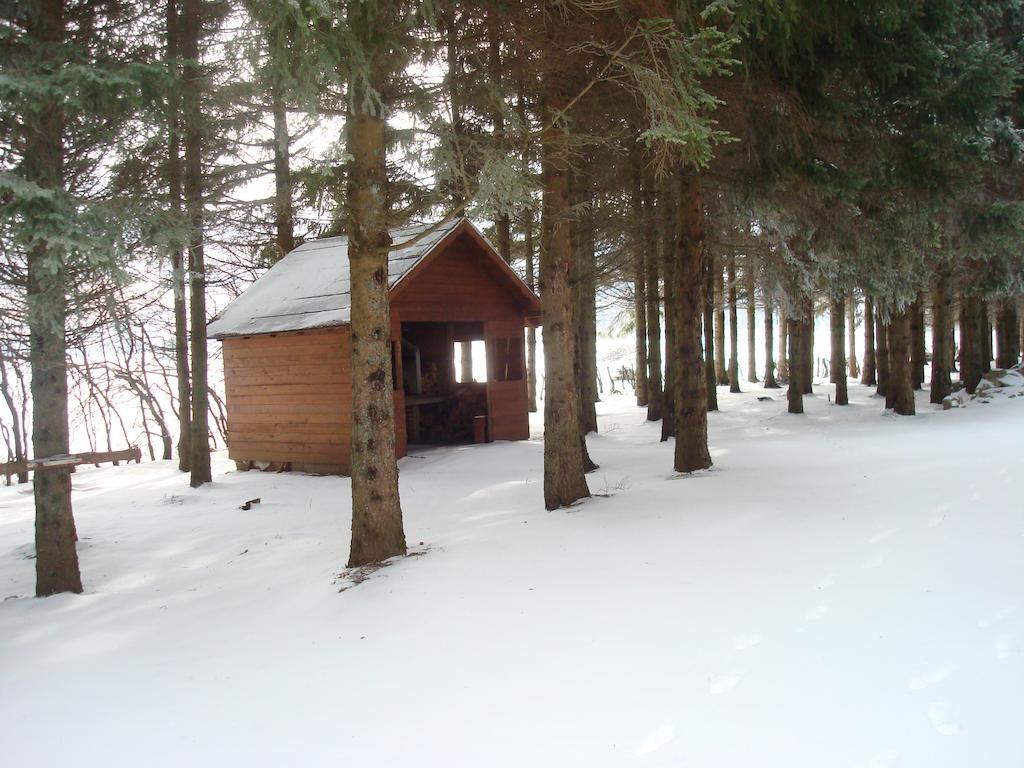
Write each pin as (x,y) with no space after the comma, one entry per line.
(751,304)
(709,331)
(734,337)
(1020,315)
(986,326)
(691,417)
(807,347)
(283,217)
(1007,333)
(17,429)
(901,385)
(584,311)
(531,332)
(721,374)
(178,279)
(669,269)
(654,382)
(795,393)
(377,532)
(640,312)
(46,305)
(851,331)
(503,224)
(564,480)
(972,343)
(783,357)
(192,111)
(639,278)
(882,359)
(942,339)
(868,373)
(769,344)
(837,319)
(918,353)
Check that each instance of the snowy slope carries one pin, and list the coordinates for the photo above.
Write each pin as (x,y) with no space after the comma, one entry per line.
(843,589)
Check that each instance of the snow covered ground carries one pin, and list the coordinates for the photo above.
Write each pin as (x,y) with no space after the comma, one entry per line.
(845,588)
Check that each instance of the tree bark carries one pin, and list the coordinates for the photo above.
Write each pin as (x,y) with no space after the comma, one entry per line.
(734,338)
(901,385)
(17,428)
(972,342)
(531,332)
(503,224)
(192,112)
(918,353)
(721,374)
(377,531)
(584,311)
(942,339)
(709,332)
(46,305)
(986,326)
(691,417)
(851,331)
(1007,333)
(882,359)
(178,278)
(639,278)
(669,269)
(640,312)
(751,304)
(655,399)
(807,347)
(868,371)
(1020,315)
(769,344)
(564,480)
(283,217)
(795,393)
(837,319)
(783,357)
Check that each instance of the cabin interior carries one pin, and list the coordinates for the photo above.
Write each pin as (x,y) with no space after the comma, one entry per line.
(445,403)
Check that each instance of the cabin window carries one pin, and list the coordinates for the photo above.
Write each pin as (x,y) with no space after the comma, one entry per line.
(507,359)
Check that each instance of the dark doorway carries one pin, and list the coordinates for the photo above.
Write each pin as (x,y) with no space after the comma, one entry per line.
(440,409)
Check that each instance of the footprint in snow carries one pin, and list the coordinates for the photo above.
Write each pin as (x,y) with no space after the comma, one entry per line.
(987,622)
(883,535)
(938,713)
(727,682)
(937,676)
(743,642)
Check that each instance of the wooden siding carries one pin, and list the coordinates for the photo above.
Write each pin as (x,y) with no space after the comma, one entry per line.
(507,406)
(289,394)
(458,285)
(289,399)
(286,396)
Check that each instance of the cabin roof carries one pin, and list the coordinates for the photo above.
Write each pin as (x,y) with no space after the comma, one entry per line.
(309,287)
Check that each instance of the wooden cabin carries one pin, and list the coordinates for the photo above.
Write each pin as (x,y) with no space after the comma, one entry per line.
(286,342)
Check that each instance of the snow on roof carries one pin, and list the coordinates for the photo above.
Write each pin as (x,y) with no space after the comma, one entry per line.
(309,288)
